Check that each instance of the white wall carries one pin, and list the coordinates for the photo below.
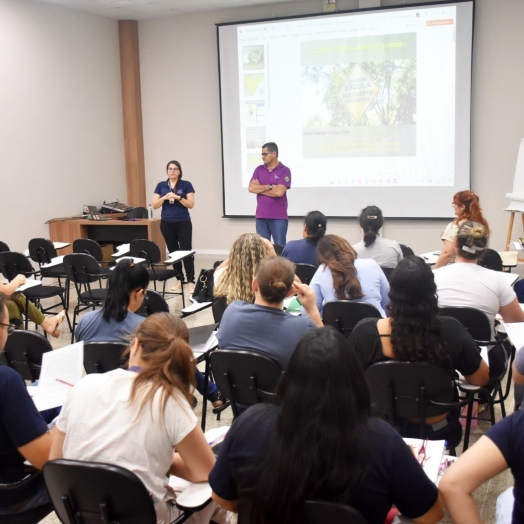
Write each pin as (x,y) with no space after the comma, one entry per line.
(181,116)
(61,134)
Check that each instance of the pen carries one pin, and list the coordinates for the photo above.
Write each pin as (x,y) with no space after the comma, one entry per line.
(64,382)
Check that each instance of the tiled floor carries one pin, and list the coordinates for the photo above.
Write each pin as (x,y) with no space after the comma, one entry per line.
(485,496)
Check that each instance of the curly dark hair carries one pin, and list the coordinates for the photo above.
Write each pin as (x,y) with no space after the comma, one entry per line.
(416,334)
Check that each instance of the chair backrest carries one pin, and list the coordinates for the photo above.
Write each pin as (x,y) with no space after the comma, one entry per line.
(403,391)
(406,250)
(387,271)
(145,249)
(245,377)
(89,247)
(101,357)
(218,307)
(41,250)
(4,247)
(344,315)
(278,249)
(23,351)
(490,259)
(81,268)
(154,302)
(305,272)
(474,320)
(12,264)
(92,492)
(137,212)
(314,512)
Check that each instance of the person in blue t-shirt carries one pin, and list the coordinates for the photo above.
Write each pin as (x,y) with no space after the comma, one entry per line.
(176,197)
(304,251)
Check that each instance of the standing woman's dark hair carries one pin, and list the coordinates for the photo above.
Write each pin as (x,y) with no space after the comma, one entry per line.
(318,450)
(123,280)
(316,224)
(177,163)
(370,220)
(339,257)
(416,335)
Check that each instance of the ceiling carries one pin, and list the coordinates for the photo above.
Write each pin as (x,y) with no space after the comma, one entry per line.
(143,9)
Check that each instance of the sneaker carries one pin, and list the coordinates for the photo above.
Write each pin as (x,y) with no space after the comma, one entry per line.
(191,288)
(177,286)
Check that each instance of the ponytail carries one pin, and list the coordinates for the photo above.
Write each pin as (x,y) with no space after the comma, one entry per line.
(370,220)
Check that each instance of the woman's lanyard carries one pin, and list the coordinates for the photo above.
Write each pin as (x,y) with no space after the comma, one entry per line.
(136,369)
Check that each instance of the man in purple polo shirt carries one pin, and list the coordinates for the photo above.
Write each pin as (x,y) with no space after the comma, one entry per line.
(270,182)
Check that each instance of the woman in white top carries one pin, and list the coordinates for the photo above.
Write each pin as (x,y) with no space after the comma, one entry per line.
(135,417)
(466,206)
(386,253)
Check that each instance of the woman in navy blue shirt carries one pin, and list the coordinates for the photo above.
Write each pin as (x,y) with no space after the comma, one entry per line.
(176,197)
(304,251)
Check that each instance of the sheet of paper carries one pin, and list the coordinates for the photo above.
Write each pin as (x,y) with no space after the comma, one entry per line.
(434,454)
(60,245)
(429,258)
(29,283)
(515,331)
(61,370)
(510,277)
(54,262)
(121,250)
(175,256)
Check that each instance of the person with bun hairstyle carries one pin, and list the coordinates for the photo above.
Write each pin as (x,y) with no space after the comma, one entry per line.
(415,332)
(466,284)
(263,326)
(386,253)
(319,442)
(135,417)
(466,206)
(343,276)
(304,251)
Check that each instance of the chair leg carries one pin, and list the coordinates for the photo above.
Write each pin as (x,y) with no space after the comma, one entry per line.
(74,324)
(64,303)
(204,396)
(468,423)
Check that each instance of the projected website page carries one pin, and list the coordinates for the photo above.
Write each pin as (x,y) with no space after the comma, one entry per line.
(359,100)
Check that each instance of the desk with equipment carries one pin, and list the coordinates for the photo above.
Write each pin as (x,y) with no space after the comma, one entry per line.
(105,232)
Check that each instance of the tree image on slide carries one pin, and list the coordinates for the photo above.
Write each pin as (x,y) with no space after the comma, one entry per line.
(363,94)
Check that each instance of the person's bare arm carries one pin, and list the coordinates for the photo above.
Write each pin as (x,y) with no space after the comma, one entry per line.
(256,187)
(158,201)
(432,516)
(193,459)
(481,376)
(189,201)
(277,191)
(37,451)
(10,288)
(58,444)
(477,465)
(447,253)
(228,505)
(512,312)
(307,299)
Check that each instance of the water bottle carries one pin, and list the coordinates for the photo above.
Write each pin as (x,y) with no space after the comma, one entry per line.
(150,211)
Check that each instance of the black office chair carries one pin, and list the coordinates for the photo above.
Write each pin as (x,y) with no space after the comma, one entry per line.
(387,271)
(32,481)
(13,264)
(218,307)
(92,247)
(404,391)
(278,249)
(314,512)
(153,302)
(158,271)
(4,247)
(137,212)
(245,377)
(83,270)
(305,272)
(490,259)
(42,251)
(344,315)
(23,351)
(406,251)
(101,357)
(479,327)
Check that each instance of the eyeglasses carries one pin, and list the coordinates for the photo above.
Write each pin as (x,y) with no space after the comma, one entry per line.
(173,169)
(265,154)
(10,327)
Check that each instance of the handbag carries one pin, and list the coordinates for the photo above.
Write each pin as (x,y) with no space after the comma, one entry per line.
(204,286)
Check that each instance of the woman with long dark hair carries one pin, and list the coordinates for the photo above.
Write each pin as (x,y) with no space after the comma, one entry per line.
(176,197)
(135,417)
(304,251)
(415,332)
(386,253)
(319,443)
(466,206)
(343,276)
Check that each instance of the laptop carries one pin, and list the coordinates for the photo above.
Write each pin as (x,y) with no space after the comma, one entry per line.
(92,213)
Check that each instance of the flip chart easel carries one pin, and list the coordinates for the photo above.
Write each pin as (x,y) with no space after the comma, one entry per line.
(516,197)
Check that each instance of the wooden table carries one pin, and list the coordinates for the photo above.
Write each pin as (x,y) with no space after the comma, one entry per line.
(107,231)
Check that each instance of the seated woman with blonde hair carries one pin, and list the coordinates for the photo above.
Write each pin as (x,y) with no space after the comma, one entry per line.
(135,417)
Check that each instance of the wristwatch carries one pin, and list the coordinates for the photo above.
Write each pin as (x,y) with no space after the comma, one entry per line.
(270,187)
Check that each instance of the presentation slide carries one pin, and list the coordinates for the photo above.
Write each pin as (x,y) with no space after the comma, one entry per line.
(367,107)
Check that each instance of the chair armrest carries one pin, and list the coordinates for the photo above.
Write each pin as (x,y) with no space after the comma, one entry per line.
(194,497)
(195,308)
